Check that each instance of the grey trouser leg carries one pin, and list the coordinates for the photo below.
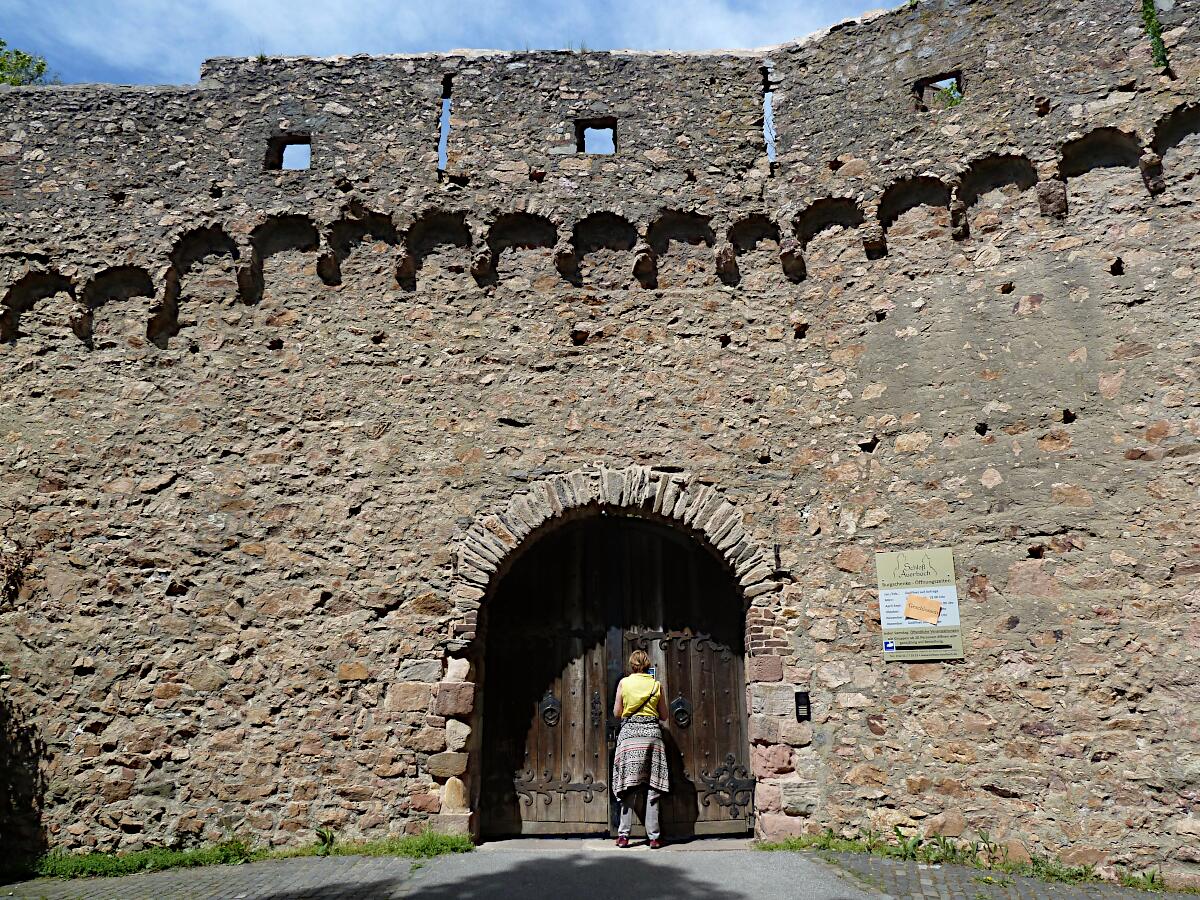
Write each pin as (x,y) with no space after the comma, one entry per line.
(652,829)
(626,815)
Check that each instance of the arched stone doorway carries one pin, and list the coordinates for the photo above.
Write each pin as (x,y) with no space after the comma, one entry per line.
(554,590)
(558,630)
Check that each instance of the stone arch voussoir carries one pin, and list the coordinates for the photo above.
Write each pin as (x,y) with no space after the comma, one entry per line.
(491,540)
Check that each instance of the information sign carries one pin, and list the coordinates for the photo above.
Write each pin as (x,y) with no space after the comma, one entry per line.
(918,605)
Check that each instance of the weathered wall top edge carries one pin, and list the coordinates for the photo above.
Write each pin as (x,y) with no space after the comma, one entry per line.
(213,65)
(485,54)
(218,69)
(214,71)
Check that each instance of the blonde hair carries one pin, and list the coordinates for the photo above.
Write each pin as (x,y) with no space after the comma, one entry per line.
(639,661)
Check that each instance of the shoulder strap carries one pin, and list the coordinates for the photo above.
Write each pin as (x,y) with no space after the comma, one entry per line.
(647,698)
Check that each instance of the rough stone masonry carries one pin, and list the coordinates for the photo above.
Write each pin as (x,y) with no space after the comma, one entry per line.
(270,434)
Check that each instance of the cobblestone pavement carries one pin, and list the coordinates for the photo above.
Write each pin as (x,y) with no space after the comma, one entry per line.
(567,869)
(916,881)
(310,878)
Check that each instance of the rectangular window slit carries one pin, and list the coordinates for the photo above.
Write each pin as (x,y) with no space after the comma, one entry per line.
(596,136)
(297,156)
(768,117)
(940,91)
(292,152)
(444,124)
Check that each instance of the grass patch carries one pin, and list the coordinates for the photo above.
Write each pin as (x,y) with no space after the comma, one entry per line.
(825,841)
(58,864)
(1150,880)
(413,846)
(983,853)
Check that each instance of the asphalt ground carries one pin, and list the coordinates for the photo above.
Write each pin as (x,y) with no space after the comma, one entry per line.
(550,869)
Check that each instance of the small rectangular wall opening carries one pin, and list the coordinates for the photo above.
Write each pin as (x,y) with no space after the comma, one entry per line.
(940,91)
(444,124)
(768,117)
(297,156)
(292,152)
(596,136)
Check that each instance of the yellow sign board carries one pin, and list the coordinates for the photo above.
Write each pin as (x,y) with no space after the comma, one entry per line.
(918,605)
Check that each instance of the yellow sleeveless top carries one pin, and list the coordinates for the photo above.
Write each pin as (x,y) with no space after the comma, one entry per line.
(636,688)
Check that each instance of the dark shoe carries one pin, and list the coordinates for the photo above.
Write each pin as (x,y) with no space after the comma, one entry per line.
(655,845)
(622,842)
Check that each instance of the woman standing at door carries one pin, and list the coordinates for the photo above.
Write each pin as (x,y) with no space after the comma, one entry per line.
(641,757)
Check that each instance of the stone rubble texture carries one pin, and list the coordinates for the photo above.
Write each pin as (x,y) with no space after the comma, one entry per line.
(270,435)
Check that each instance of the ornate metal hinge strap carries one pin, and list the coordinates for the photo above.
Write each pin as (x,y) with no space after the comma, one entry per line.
(528,786)
(731,785)
(698,641)
(550,709)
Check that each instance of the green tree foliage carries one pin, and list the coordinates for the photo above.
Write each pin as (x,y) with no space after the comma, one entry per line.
(18,67)
(949,96)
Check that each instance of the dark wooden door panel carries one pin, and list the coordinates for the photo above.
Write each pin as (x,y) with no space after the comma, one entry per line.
(559,631)
(711,791)
(545,762)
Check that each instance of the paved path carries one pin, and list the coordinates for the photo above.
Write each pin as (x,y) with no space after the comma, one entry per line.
(904,880)
(554,869)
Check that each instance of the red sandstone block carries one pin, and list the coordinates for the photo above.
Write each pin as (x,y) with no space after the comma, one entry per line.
(451,823)
(950,823)
(409,697)
(767,798)
(427,740)
(774,759)
(455,699)
(429,803)
(765,668)
(773,827)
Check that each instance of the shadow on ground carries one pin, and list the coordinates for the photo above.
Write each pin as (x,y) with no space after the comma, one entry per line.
(565,876)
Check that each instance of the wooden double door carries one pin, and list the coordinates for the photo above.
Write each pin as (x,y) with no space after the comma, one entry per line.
(559,631)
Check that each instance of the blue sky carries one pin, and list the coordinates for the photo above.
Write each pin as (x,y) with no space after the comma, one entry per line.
(164,41)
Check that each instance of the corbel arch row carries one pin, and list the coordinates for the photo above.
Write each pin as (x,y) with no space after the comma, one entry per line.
(1101,147)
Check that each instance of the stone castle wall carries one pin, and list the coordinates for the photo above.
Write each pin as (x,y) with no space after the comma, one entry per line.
(263,429)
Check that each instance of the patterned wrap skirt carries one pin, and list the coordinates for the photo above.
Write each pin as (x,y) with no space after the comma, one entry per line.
(641,756)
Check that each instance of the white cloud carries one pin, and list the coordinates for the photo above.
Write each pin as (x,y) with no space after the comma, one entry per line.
(165,40)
